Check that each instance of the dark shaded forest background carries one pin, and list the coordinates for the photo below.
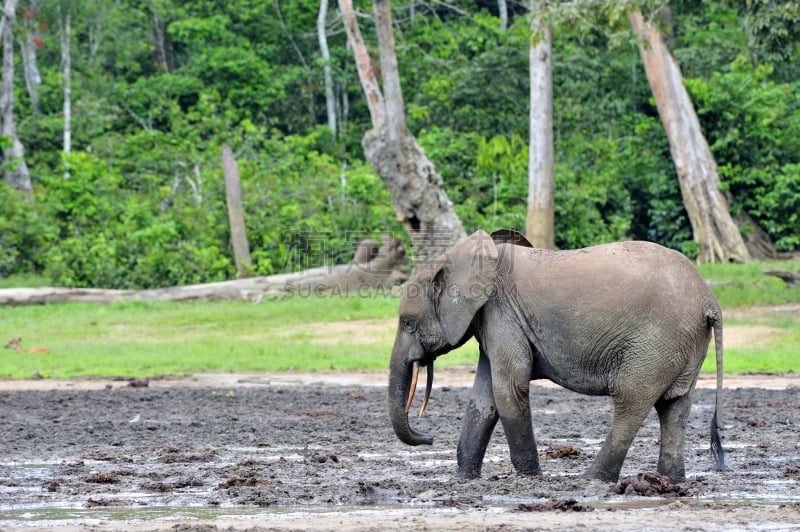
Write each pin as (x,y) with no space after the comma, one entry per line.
(158,86)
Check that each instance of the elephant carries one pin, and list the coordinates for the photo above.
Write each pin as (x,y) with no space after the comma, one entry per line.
(630,320)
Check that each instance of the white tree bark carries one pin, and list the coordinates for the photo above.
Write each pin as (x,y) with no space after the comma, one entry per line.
(416,189)
(65,27)
(16,172)
(712,224)
(330,97)
(502,8)
(541,218)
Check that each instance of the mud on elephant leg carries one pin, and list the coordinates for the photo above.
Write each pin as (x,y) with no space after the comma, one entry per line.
(673,415)
(511,384)
(522,444)
(627,420)
(479,422)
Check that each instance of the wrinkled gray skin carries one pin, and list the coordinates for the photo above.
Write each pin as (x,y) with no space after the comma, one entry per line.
(629,320)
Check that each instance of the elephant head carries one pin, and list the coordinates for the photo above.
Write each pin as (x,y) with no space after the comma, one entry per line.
(436,311)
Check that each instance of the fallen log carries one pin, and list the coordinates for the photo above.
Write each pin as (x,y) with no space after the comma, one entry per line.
(790,278)
(375,266)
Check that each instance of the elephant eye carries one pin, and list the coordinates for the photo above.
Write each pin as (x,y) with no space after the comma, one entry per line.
(407,324)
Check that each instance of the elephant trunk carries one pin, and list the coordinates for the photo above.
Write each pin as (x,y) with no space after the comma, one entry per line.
(402,380)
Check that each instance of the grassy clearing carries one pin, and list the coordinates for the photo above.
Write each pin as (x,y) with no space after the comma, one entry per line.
(740,285)
(302,334)
(744,286)
(183,338)
(772,347)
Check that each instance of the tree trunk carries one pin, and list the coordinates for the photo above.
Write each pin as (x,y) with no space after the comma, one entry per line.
(233,194)
(330,98)
(159,36)
(66,63)
(32,77)
(502,10)
(16,173)
(540,220)
(367,75)
(28,44)
(375,266)
(416,189)
(712,224)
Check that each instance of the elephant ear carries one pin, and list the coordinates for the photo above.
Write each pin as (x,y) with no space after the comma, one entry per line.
(510,236)
(464,282)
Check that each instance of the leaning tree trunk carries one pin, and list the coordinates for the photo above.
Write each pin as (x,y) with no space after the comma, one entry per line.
(416,189)
(707,207)
(16,173)
(539,227)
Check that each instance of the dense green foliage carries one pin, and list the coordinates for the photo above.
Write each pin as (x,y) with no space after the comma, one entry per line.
(159,87)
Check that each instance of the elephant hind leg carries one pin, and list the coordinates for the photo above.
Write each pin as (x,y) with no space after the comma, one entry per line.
(626,423)
(673,415)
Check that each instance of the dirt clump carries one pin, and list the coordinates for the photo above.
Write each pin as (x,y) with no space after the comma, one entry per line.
(555,505)
(160,487)
(649,484)
(101,478)
(755,421)
(239,481)
(561,452)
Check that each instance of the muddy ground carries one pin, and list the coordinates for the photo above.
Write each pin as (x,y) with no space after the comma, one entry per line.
(319,453)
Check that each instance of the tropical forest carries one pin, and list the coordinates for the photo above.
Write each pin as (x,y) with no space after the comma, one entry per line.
(116,115)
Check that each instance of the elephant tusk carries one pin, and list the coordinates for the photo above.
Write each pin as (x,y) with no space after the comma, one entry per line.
(414,377)
(428,386)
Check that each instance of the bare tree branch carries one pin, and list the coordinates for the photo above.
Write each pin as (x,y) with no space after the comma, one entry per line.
(289,35)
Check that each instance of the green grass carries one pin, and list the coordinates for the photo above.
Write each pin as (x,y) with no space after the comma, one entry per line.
(738,285)
(136,338)
(24,281)
(304,334)
(771,340)
(771,337)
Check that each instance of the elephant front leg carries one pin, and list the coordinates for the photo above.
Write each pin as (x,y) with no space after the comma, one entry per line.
(511,378)
(479,422)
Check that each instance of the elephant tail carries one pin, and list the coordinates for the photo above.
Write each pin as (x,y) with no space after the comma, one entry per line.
(718,453)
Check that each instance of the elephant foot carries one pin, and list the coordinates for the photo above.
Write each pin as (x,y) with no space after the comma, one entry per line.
(605,476)
(675,476)
(468,474)
(530,473)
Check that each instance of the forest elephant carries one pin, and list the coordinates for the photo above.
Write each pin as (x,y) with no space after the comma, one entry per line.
(630,320)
